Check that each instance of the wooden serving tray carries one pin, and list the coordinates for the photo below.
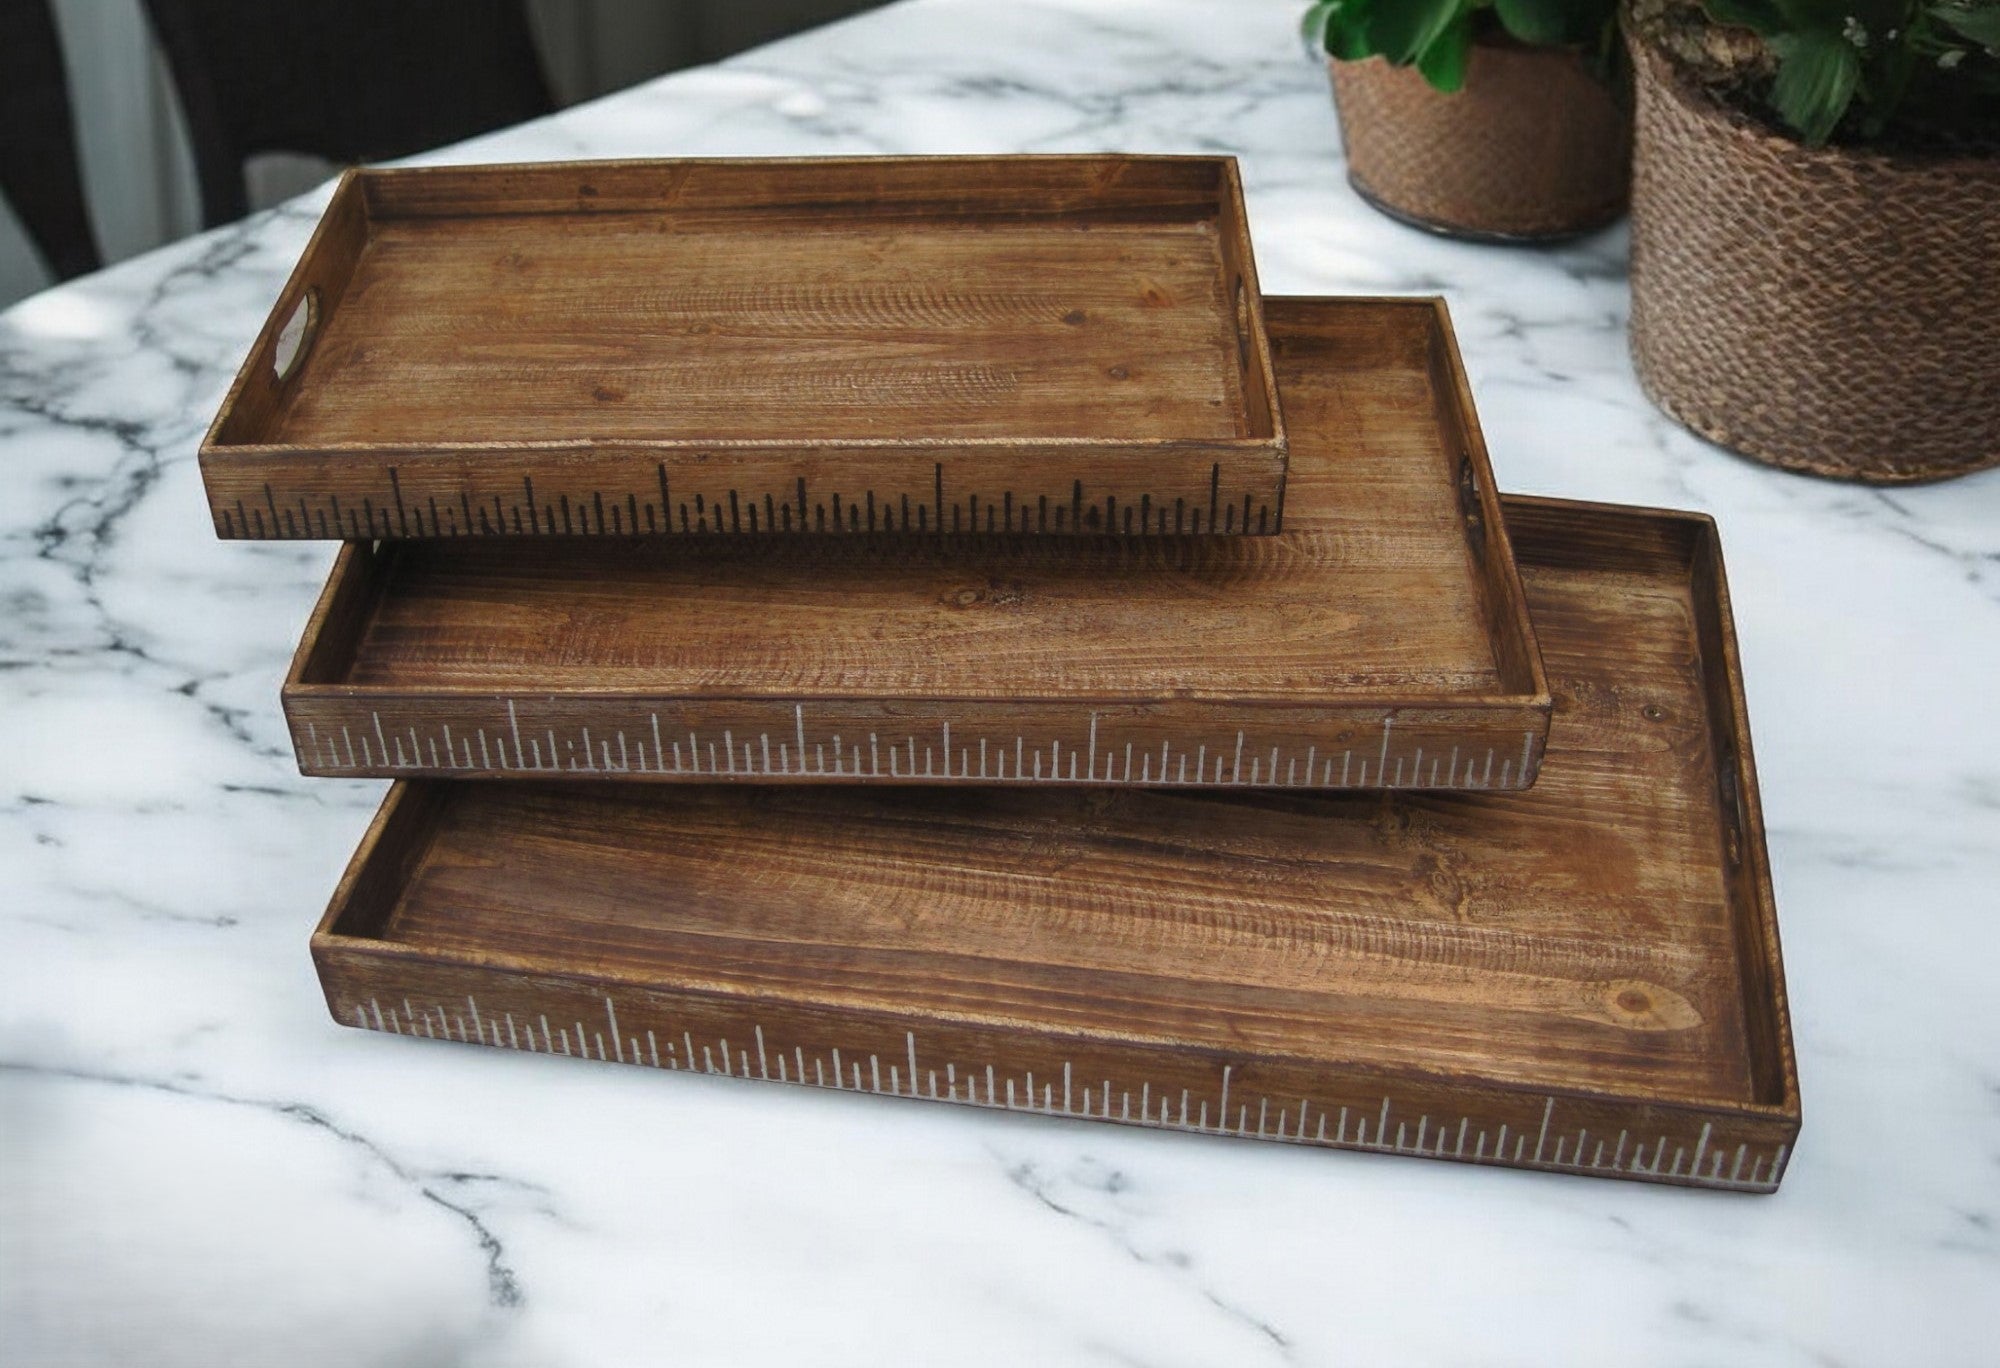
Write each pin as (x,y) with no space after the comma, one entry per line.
(1582,978)
(816,345)
(1380,641)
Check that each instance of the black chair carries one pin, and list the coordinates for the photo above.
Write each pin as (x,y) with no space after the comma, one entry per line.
(349,80)
(39,172)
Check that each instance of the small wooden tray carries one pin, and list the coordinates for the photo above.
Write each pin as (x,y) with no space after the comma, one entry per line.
(1381,641)
(817,345)
(1583,978)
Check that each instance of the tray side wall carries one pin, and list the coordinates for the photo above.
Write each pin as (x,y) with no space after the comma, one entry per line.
(1262,405)
(1549,531)
(340,615)
(1767,1012)
(1058,185)
(384,862)
(340,731)
(691,488)
(376,986)
(257,396)
(1503,598)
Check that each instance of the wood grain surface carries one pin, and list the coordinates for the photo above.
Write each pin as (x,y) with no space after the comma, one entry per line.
(1584,977)
(766,346)
(1380,642)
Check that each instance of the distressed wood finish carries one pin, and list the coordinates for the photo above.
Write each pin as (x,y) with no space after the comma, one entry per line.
(819,345)
(1380,642)
(1583,978)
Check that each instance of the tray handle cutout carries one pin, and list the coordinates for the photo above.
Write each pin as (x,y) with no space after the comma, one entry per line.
(1242,298)
(1468,507)
(1729,803)
(295,338)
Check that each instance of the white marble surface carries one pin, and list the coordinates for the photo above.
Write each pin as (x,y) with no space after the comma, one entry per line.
(197,1167)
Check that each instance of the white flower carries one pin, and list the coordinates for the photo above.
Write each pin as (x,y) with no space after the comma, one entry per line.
(1852,30)
(1950,58)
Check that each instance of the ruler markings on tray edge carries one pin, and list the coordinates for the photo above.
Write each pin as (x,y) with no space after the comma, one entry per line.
(726,758)
(1766,1167)
(796,510)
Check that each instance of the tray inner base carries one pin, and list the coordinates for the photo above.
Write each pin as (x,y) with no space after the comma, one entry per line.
(794,326)
(1330,608)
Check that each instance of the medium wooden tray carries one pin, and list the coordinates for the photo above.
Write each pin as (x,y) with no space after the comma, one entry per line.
(907,344)
(1582,978)
(1381,641)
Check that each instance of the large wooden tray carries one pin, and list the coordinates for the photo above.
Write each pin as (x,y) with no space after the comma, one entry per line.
(1380,641)
(1053,344)
(1582,978)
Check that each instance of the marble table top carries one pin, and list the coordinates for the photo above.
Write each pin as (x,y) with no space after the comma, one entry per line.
(198,1167)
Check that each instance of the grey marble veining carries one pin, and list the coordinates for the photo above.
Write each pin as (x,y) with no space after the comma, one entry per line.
(197,1167)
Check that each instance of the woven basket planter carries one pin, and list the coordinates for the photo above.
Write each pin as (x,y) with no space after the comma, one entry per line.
(1534,148)
(1821,309)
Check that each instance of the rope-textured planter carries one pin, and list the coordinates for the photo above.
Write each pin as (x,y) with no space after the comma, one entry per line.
(1821,309)
(1534,147)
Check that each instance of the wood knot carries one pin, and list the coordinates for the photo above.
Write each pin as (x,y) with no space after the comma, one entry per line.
(1074,317)
(1119,373)
(607,394)
(1640,1006)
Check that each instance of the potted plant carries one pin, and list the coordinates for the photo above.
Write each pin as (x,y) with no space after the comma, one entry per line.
(1489,119)
(1816,230)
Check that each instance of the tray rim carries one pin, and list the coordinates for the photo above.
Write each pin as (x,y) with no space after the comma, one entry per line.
(352,196)
(405,802)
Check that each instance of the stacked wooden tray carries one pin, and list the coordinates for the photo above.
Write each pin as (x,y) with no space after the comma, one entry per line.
(920,344)
(1283,832)
(1381,641)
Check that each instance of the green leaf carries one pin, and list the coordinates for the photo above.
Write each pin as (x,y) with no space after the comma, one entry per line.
(1759,15)
(1981,25)
(1347,31)
(1313,24)
(1443,62)
(1339,28)
(1818,73)
(1551,23)
(1401,29)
